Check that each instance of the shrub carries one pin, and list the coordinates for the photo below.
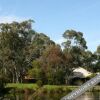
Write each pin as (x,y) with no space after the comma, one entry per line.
(39,83)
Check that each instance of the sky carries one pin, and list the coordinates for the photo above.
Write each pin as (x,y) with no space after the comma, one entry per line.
(54,17)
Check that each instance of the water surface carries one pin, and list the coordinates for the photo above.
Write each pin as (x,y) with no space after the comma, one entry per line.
(50,96)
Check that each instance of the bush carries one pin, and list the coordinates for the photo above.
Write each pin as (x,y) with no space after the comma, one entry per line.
(78,82)
(2,84)
(39,83)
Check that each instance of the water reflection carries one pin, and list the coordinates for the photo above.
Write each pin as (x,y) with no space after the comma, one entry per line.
(90,96)
(27,95)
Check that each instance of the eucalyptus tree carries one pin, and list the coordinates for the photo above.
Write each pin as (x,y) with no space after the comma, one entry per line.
(97,60)
(49,67)
(74,48)
(15,38)
(39,43)
(89,61)
(53,61)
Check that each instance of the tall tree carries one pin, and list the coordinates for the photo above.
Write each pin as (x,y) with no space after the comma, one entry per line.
(97,60)
(39,43)
(53,59)
(49,67)
(14,39)
(74,48)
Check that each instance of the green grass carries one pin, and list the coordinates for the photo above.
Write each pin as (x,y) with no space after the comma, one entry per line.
(69,88)
(21,86)
(55,87)
(50,87)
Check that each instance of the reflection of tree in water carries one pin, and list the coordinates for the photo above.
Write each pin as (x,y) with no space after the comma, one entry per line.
(30,95)
(96,95)
(89,96)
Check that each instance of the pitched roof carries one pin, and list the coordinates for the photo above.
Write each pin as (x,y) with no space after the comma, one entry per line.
(81,72)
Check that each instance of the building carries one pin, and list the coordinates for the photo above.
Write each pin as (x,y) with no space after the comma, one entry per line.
(80,76)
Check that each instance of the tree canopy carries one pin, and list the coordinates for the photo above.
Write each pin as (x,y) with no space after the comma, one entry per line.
(25,52)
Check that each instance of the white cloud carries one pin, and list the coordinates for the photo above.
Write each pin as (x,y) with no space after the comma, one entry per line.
(9,19)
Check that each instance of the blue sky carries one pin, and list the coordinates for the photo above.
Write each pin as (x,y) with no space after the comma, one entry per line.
(53,17)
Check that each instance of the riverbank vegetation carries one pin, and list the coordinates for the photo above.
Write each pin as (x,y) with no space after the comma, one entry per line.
(27,54)
(47,88)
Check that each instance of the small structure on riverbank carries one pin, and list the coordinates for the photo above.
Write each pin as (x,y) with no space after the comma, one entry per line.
(80,75)
(29,80)
(81,72)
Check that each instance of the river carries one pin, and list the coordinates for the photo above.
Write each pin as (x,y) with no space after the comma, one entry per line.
(30,96)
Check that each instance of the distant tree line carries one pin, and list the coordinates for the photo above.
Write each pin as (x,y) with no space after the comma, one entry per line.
(25,52)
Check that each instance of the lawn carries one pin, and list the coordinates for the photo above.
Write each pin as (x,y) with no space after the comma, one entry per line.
(22,86)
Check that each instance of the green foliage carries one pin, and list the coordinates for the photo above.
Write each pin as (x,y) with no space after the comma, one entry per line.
(2,84)
(74,50)
(14,41)
(39,83)
(96,67)
(78,82)
(22,86)
(24,52)
(74,39)
(35,70)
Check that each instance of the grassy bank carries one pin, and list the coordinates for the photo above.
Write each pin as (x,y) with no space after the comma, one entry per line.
(22,86)
(34,86)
